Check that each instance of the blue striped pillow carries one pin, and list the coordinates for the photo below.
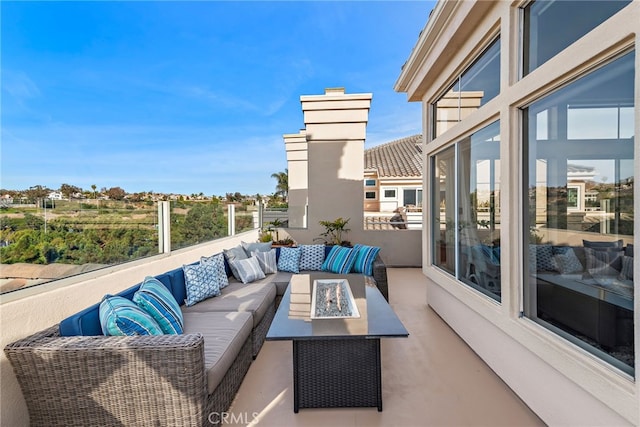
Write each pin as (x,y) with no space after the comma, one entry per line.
(365,255)
(339,260)
(154,298)
(119,316)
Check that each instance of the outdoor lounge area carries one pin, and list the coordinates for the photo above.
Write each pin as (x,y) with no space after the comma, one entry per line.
(517,294)
(432,378)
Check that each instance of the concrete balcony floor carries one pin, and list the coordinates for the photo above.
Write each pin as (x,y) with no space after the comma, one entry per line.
(431,378)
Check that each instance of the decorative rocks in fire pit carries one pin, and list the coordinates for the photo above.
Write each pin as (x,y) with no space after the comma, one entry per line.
(331,299)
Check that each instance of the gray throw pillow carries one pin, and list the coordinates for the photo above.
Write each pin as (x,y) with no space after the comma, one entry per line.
(604,263)
(603,246)
(626,273)
(256,247)
(234,254)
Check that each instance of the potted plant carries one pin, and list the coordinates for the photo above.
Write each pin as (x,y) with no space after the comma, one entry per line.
(267,236)
(334,231)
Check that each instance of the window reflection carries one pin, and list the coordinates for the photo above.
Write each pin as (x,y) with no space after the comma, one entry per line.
(468,215)
(475,87)
(579,247)
(547,31)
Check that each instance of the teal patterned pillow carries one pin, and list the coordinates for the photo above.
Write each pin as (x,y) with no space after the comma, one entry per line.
(267,261)
(119,316)
(340,260)
(154,298)
(200,282)
(217,261)
(311,257)
(248,269)
(365,255)
(289,260)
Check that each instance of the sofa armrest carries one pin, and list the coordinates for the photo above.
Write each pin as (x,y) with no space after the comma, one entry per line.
(98,380)
(380,276)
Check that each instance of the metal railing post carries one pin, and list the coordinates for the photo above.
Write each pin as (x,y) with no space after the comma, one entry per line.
(164,227)
(231,219)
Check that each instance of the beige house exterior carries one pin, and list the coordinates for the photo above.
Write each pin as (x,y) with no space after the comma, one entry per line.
(393,175)
(326,163)
(564,377)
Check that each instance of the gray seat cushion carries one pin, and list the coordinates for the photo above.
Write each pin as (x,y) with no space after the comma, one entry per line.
(224,334)
(254,298)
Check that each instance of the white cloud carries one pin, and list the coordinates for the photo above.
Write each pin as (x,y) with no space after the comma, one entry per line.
(19,85)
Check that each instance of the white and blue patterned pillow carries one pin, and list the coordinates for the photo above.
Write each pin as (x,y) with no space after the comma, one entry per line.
(567,261)
(200,282)
(154,298)
(217,261)
(340,260)
(311,257)
(248,269)
(365,255)
(289,260)
(119,316)
(541,258)
(267,261)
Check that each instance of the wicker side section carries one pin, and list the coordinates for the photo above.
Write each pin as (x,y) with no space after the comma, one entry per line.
(219,402)
(97,380)
(259,333)
(380,276)
(337,373)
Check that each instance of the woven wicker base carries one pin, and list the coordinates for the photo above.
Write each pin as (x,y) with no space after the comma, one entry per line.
(335,373)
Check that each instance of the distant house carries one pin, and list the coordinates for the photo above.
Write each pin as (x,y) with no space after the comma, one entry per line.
(56,195)
(6,200)
(393,175)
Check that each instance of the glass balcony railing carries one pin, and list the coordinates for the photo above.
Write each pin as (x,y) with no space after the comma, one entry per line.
(54,239)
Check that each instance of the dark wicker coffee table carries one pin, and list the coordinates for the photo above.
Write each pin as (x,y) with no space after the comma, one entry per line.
(336,361)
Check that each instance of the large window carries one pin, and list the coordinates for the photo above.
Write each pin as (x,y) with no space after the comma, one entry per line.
(552,25)
(466,210)
(579,242)
(476,86)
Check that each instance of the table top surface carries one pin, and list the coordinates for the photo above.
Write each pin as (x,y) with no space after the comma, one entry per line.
(293,320)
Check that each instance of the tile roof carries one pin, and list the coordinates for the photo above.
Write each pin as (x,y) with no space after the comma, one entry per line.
(396,159)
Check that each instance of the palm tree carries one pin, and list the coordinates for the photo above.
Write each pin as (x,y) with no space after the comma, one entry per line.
(93,187)
(282,187)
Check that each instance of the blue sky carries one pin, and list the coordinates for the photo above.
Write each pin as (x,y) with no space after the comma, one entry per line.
(188,97)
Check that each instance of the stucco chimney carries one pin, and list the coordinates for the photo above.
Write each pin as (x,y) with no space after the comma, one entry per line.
(297,163)
(335,125)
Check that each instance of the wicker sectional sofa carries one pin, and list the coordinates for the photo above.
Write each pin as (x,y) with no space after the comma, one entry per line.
(71,374)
